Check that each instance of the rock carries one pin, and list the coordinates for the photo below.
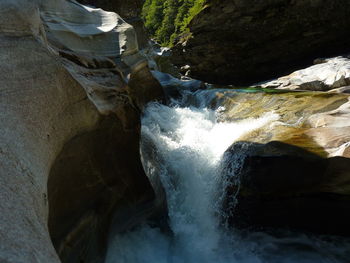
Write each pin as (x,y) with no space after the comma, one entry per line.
(144,87)
(283,186)
(331,74)
(69,144)
(315,121)
(19,17)
(90,181)
(101,52)
(174,87)
(245,41)
(129,10)
(293,172)
(159,59)
(345,89)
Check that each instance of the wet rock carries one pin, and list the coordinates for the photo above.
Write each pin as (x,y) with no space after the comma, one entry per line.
(315,121)
(242,42)
(283,186)
(292,173)
(174,87)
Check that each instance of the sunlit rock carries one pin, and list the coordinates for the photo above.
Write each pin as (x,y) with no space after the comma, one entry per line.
(292,174)
(331,74)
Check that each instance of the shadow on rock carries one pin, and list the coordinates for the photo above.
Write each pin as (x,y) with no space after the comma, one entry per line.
(277,185)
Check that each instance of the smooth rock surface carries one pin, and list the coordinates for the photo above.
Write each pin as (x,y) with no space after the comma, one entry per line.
(68,117)
(130,10)
(245,41)
(42,108)
(333,73)
(315,121)
(294,172)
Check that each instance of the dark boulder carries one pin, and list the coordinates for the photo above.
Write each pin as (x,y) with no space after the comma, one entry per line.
(277,185)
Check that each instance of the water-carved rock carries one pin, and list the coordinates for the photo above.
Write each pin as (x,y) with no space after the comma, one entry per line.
(130,10)
(292,174)
(68,116)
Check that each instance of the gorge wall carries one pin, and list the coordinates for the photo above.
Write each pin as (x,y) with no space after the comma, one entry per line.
(73,84)
(245,41)
(129,10)
(70,128)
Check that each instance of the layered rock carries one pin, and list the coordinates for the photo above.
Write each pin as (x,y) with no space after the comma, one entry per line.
(245,41)
(70,128)
(293,172)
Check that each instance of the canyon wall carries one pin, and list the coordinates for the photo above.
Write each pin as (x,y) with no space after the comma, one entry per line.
(245,41)
(70,99)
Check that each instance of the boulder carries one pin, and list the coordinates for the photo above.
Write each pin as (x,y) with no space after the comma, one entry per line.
(329,74)
(70,129)
(293,172)
(278,185)
(245,41)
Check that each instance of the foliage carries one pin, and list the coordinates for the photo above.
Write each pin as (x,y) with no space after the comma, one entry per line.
(167,20)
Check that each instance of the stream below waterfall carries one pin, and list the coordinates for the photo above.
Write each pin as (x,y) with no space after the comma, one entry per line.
(183,147)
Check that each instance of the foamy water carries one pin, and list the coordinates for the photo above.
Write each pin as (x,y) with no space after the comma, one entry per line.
(190,143)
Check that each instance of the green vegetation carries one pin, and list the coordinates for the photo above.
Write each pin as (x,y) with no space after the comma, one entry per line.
(167,20)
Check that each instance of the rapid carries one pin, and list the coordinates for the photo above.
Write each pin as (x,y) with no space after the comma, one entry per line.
(183,146)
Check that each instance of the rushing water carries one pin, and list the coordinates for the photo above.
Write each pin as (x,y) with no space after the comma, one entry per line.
(188,145)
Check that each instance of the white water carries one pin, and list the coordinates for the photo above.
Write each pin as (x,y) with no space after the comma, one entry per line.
(189,144)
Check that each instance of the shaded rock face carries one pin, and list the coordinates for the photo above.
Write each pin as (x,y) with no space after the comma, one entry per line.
(246,41)
(283,186)
(96,173)
(70,128)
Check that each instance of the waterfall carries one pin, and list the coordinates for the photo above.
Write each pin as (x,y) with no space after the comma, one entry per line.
(187,144)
